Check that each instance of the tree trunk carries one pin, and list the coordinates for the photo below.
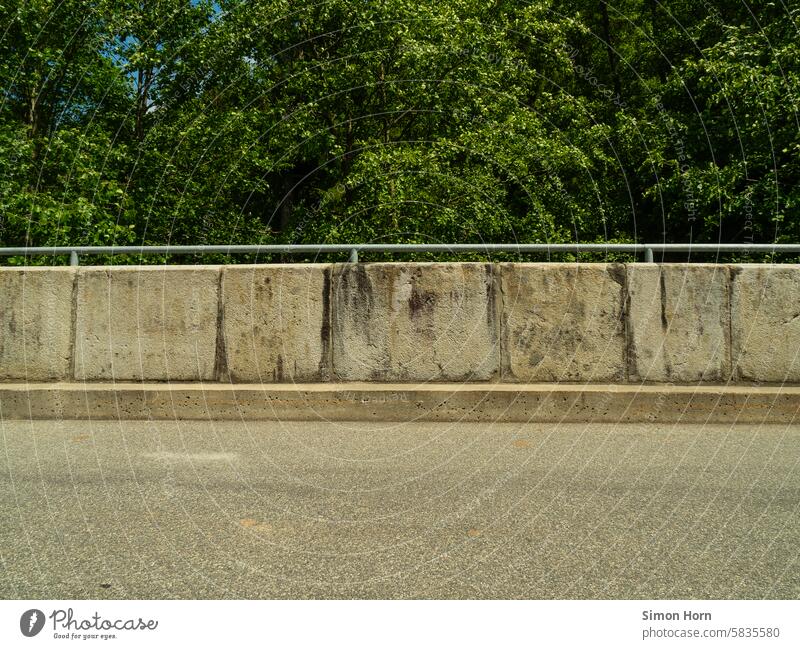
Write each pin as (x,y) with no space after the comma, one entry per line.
(613,58)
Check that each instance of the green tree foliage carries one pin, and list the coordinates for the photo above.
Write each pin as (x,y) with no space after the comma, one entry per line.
(169,121)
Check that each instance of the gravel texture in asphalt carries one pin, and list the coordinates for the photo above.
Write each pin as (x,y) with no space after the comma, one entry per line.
(109,509)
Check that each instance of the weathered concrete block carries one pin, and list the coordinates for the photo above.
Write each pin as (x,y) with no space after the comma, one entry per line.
(678,322)
(146,323)
(563,322)
(276,323)
(35,322)
(765,322)
(414,322)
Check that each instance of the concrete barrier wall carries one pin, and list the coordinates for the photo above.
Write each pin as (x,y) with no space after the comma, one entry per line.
(152,323)
(678,323)
(275,324)
(414,322)
(563,322)
(437,322)
(36,307)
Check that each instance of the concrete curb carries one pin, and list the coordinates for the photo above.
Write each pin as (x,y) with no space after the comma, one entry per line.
(402,402)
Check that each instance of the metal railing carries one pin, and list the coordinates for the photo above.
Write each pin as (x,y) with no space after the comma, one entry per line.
(647,249)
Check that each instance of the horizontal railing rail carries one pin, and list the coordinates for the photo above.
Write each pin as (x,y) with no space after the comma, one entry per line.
(353,250)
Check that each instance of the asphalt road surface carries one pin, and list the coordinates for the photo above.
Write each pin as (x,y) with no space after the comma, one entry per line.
(297,510)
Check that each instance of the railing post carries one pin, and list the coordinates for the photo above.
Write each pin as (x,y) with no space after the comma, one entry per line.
(354,256)
(73,258)
(648,255)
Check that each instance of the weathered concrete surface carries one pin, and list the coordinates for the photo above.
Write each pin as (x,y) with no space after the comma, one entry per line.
(276,323)
(487,402)
(403,322)
(563,322)
(414,322)
(126,510)
(765,327)
(146,323)
(678,322)
(35,323)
